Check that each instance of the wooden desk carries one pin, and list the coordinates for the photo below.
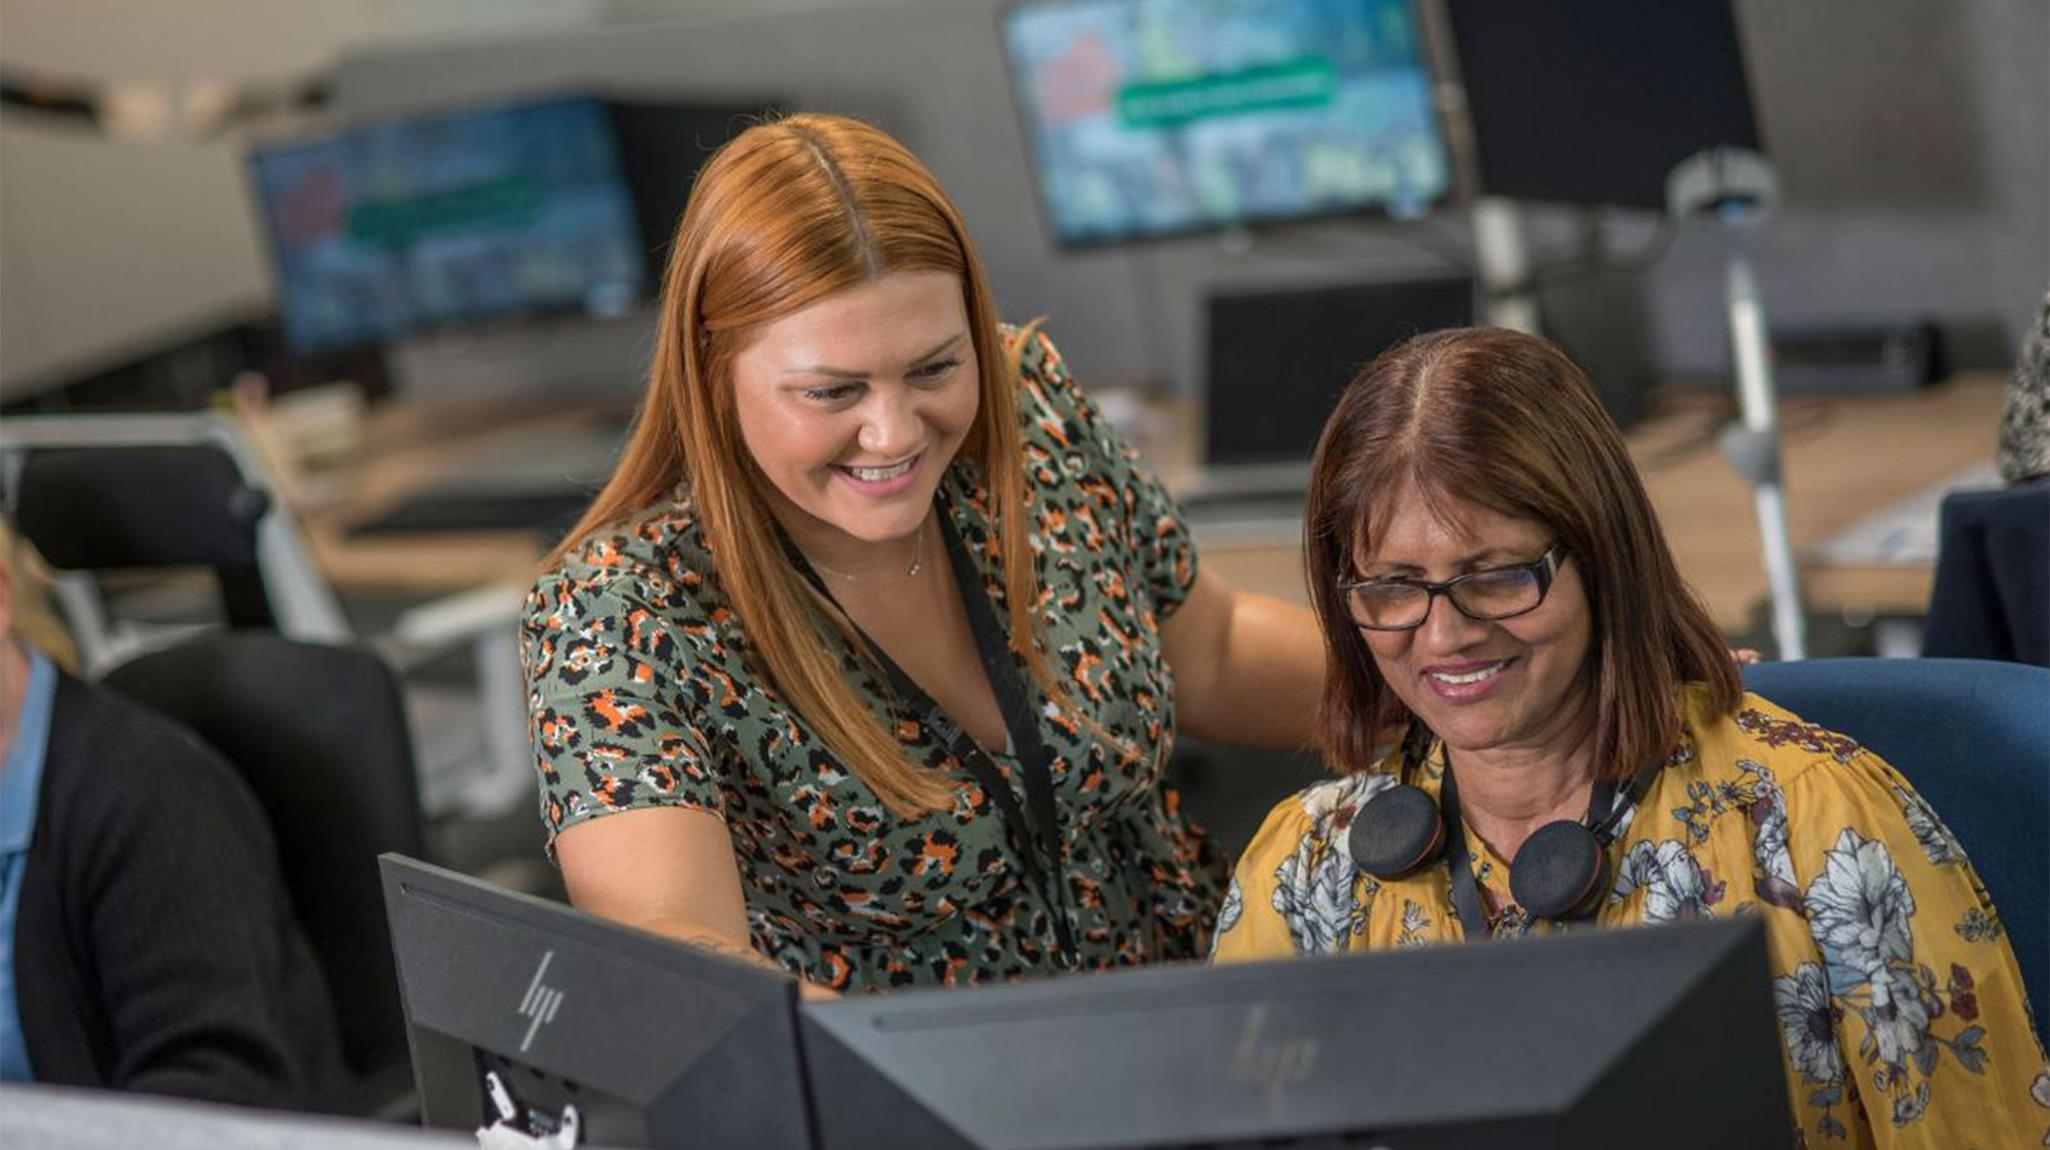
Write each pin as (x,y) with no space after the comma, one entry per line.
(1845,458)
(406,446)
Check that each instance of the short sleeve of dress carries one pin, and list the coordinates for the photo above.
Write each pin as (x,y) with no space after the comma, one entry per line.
(1251,926)
(1082,443)
(1901,996)
(613,721)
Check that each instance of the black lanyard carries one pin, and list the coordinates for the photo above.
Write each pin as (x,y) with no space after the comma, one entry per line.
(1466,889)
(1037,840)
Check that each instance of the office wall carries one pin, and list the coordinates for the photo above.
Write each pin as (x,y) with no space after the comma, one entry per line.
(1911,136)
(107,248)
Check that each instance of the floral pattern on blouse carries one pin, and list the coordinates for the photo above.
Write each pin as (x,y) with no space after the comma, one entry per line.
(1900,1006)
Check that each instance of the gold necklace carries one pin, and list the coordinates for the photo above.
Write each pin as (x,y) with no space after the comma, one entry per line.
(917,565)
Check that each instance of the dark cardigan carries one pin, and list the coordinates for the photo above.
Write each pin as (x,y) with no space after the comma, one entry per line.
(155,948)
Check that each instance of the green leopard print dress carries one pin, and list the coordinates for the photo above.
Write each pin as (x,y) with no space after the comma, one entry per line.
(642,693)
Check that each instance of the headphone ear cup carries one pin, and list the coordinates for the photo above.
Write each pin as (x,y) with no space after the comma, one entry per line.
(1560,872)
(1396,832)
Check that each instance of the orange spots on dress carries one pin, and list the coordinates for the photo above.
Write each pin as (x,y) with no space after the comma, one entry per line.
(554,731)
(1088,671)
(615,715)
(1112,584)
(729,692)
(937,852)
(837,970)
(1126,640)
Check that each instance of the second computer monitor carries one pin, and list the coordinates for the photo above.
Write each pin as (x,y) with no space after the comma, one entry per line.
(1660,1036)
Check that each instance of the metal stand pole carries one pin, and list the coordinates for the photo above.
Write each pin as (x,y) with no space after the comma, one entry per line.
(1753,448)
(1503,255)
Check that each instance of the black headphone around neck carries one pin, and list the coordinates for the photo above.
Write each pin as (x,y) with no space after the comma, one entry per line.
(1559,873)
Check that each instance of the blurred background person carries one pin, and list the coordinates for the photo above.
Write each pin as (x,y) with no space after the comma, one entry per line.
(146,942)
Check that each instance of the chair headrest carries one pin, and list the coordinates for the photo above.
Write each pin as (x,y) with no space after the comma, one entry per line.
(95,509)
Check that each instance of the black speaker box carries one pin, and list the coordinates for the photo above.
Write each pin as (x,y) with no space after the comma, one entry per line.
(1861,358)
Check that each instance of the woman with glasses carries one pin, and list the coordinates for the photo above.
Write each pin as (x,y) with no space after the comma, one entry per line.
(1572,743)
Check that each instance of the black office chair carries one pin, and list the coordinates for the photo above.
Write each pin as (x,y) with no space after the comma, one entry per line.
(147,493)
(111,509)
(1992,594)
(320,735)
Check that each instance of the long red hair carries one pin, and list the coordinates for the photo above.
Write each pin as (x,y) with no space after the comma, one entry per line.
(789,212)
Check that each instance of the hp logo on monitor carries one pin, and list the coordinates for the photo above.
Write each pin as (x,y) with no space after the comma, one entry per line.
(540,1004)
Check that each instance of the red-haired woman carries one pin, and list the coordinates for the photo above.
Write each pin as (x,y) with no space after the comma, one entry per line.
(1491,579)
(868,659)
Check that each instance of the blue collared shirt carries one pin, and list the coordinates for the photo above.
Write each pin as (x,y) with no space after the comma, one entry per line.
(21,781)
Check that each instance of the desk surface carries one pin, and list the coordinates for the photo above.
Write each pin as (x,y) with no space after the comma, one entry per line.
(405,448)
(1846,457)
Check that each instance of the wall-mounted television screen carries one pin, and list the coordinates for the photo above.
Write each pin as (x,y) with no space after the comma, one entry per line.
(401,225)
(1154,118)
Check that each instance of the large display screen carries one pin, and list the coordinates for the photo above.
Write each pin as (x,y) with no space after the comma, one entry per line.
(398,226)
(1152,118)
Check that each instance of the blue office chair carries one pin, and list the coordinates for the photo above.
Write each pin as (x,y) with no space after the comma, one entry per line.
(1974,738)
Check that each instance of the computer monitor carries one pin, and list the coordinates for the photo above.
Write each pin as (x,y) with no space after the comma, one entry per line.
(1593,102)
(655,1043)
(1278,360)
(1153,118)
(401,225)
(1661,1036)
(662,144)
(1590,1040)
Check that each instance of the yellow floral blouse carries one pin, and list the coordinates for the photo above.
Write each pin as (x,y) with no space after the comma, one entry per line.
(1901,1009)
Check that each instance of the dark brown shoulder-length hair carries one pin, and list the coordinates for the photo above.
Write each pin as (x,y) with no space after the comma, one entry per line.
(1506,421)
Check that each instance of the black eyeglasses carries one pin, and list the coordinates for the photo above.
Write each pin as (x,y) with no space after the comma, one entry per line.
(1496,593)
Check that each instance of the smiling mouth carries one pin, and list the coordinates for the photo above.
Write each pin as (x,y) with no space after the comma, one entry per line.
(880,474)
(1468,678)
